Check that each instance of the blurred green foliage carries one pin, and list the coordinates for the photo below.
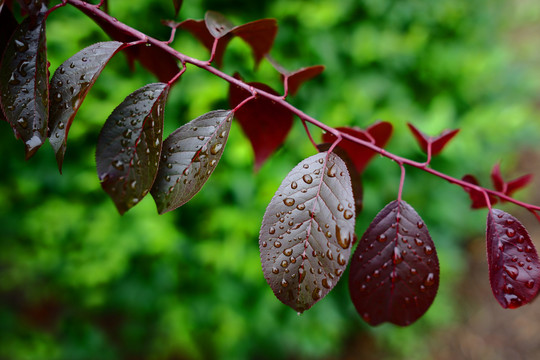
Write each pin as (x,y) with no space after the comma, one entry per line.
(78,281)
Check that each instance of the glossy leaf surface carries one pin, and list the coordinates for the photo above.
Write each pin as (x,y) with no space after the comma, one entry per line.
(32,7)
(394,273)
(190,155)
(514,268)
(265,123)
(69,86)
(380,132)
(164,69)
(307,231)
(217,24)
(129,146)
(24,82)
(437,143)
(8,24)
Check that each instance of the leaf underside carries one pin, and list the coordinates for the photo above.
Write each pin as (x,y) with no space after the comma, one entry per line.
(307,231)
(70,85)
(24,82)
(394,274)
(129,146)
(514,268)
(190,155)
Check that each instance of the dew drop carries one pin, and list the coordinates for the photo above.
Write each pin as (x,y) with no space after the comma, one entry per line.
(331,171)
(317,294)
(272,230)
(133,184)
(301,275)
(118,165)
(530,284)
(284,263)
(348,214)
(344,240)
(284,283)
(306,166)
(288,201)
(396,256)
(275,270)
(510,232)
(13,80)
(430,279)
(287,252)
(512,271)
(418,241)
(277,244)
(428,250)
(413,271)
(294,185)
(340,207)
(22,122)
(508,289)
(341,260)
(327,283)
(127,133)
(216,148)
(21,46)
(307,179)
(300,207)
(382,238)
(420,224)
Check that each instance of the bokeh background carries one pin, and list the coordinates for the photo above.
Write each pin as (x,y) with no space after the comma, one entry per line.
(78,281)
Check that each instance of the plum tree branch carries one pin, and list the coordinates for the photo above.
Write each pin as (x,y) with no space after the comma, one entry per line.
(95,13)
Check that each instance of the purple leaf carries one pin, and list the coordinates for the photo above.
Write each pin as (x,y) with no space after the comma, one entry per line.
(259,35)
(24,80)
(307,231)
(436,143)
(33,7)
(177,5)
(129,146)
(69,86)
(296,78)
(190,155)
(265,123)
(394,273)
(478,200)
(514,268)
(200,31)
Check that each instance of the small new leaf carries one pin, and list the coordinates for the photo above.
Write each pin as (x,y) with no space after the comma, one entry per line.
(24,79)
(514,268)
(70,85)
(265,123)
(478,200)
(380,132)
(190,155)
(129,146)
(508,188)
(293,81)
(436,143)
(307,231)
(394,273)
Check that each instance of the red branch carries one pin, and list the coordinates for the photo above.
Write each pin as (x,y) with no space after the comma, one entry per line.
(94,12)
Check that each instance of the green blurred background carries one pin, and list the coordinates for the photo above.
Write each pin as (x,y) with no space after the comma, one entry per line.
(79,281)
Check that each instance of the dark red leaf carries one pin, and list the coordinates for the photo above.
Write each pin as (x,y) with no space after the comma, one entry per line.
(361,156)
(307,231)
(518,183)
(514,268)
(8,24)
(294,80)
(259,35)
(24,80)
(437,143)
(394,273)
(496,178)
(477,197)
(161,63)
(177,5)
(200,31)
(265,123)
(190,155)
(129,146)
(69,86)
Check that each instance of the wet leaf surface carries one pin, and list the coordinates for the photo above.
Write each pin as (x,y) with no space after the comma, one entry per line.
(307,231)
(190,155)
(70,85)
(394,273)
(514,268)
(129,146)
(265,123)
(24,82)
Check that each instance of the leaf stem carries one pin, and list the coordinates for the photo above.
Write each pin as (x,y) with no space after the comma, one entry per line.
(95,13)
